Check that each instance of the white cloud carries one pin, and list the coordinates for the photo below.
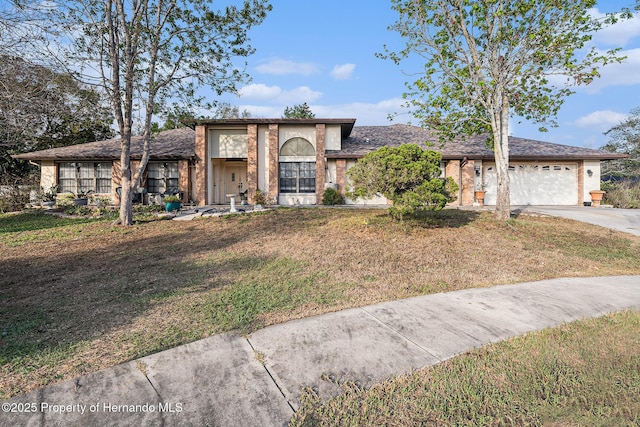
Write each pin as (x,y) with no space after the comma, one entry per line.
(260,91)
(283,67)
(622,74)
(366,114)
(275,94)
(600,120)
(343,72)
(619,34)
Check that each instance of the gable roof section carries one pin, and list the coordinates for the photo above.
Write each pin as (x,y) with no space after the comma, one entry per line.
(170,144)
(365,139)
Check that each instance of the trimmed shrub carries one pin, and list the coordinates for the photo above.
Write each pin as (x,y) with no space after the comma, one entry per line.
(331,196)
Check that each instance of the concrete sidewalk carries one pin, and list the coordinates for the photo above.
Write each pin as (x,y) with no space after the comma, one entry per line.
(230,380)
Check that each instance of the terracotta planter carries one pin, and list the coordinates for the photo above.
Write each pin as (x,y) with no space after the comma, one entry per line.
(480,197)
(596,196)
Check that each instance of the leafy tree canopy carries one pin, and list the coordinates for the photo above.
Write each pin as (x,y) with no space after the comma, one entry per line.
(146,51)
(41,109)
(407,175)
(625,138)
(300,111)
(486,61)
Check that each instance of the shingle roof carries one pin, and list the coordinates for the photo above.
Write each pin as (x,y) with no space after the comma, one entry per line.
(170,144)
(365,139)
(180,144)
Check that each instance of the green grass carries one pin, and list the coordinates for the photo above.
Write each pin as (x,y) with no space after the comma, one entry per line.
(36,220)
(585,373)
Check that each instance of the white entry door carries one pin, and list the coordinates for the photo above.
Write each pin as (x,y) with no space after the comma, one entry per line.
(535,183)
(235,179)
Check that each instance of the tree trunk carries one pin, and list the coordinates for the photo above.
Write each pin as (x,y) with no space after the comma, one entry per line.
(126,197)
(500,127)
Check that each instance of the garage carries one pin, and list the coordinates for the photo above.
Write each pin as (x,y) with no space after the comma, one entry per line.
(535,183)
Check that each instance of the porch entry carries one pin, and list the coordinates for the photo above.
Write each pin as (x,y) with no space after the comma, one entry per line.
(227,178)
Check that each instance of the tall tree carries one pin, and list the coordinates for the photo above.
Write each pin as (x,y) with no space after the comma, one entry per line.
(625,138)
(488,60)
(300,111)
(144,51)
(40,109)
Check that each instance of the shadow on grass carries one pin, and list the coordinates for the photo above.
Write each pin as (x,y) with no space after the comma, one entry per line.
(446,218)
(52,300)
(58,294)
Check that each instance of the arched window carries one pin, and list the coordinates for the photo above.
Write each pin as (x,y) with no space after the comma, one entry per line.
(297,147)
(297,166)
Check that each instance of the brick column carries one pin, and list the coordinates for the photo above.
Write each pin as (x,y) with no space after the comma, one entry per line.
(453,170)
(183,179)
(580,182)
(274,154)
(341,176)
(202,160)
(468,190)
(252,161)
(320,163)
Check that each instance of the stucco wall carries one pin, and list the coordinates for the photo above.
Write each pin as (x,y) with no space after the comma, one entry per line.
(333,138)
(228,143)
(48,176)
(590,182)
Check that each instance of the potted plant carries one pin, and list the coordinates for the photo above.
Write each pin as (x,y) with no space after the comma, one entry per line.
(172,203)
(48,198)
(479,194)
(81,198)
(596,197)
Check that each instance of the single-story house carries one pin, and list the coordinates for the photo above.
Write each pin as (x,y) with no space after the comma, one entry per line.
(292,161)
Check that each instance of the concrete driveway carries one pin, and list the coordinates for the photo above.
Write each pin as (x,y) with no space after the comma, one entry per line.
(626,220)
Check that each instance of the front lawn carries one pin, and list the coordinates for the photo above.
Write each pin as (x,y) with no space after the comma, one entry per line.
(78,296)
(585,373)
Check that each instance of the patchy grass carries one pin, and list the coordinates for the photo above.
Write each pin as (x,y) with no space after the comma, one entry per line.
(582,374)
(81,295)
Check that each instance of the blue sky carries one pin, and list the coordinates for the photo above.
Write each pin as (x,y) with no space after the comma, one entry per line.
(323,53)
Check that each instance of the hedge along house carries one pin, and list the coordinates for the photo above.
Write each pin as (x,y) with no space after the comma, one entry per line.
(95,166)
(292,161)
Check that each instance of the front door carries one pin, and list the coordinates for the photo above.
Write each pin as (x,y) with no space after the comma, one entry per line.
(235,179)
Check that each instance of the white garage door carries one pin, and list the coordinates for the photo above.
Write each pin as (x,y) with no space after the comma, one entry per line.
(536,183)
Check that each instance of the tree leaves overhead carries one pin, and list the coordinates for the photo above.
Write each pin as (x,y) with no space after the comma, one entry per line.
(488,60)
(625,138)
(300,111)
(533,50)
(42,109)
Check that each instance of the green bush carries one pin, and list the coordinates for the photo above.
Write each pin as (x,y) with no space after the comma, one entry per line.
(13,198)
(623,194)
(407,175)
(331,196)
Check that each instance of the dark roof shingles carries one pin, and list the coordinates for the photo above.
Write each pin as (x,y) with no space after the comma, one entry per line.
(170,144)
(365,139)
